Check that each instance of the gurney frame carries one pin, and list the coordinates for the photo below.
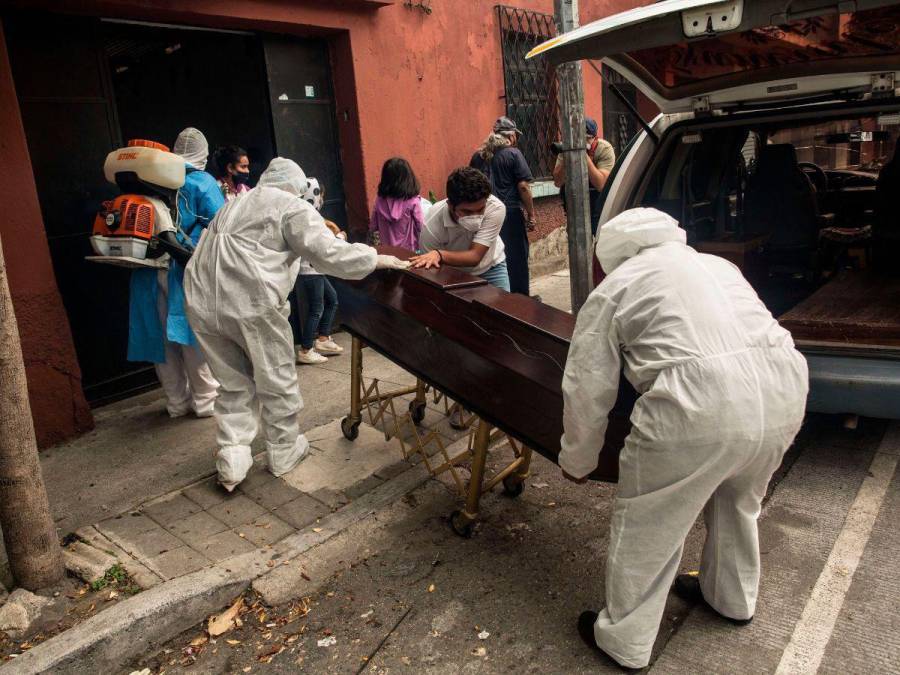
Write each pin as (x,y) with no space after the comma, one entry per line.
(482,437)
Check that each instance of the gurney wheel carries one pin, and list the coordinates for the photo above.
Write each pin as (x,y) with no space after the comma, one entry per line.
(350,429)
(417,412)
(461,525)
(513,486)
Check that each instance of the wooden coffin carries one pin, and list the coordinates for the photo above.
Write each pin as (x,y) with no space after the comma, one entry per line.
(500,354)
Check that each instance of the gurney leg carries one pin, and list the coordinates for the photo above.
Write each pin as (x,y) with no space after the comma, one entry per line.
(417,405)
(463,521)
(350,424)
(514,484)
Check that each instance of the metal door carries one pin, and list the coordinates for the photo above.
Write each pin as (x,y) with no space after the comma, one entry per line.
(63,86)
(303,114)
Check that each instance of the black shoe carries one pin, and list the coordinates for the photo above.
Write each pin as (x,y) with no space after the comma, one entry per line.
(687,587)
(586,630)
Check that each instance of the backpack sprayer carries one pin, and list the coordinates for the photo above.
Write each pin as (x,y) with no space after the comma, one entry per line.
(138,227)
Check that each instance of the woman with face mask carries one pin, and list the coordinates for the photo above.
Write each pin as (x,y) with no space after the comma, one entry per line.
(232,171)
(463,230)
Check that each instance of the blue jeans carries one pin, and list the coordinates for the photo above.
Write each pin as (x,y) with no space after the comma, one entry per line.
(321,305)
(497,276)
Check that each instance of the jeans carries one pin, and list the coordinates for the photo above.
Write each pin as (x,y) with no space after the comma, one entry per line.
(497,276)
(321,305)
(515,242)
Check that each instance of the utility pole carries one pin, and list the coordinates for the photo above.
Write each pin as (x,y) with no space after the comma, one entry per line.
(32,544)
(571,115)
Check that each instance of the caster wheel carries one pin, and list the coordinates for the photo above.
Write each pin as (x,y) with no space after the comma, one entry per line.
(513,487)
(350,430)
(462,526)
(417,412)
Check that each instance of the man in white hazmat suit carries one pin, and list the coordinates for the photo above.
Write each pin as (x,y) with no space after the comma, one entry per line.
(722,395)
(237,284)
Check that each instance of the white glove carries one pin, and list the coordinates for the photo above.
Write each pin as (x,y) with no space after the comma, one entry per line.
(389,262)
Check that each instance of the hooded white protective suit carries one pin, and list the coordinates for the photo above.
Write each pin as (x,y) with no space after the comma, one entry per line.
(722,395)
(237,284)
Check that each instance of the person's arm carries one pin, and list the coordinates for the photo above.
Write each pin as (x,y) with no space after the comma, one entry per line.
(418,219)
(590,386)
(527,202)
(596,177)
(559,172)
(306,235)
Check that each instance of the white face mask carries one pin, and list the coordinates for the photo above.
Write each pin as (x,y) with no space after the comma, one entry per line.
(470,223)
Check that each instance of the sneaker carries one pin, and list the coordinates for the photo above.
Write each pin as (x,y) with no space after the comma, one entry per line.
(328,347)
(310,357)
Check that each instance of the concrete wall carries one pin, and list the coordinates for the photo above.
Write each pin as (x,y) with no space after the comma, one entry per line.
(54,379)
(423,86)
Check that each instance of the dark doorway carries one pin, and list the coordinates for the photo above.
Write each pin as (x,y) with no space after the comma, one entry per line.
(86,86)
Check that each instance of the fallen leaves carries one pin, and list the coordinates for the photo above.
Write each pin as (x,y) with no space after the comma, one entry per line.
(431,588)
(225,621)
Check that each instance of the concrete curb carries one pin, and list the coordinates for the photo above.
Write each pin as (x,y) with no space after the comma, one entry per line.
(134,626)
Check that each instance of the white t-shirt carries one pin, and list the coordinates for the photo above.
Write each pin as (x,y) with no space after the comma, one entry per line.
(442,232)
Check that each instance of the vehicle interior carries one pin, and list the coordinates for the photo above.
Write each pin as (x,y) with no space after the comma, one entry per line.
(803,206)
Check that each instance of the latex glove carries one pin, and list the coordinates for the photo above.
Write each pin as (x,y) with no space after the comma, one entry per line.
(389,262)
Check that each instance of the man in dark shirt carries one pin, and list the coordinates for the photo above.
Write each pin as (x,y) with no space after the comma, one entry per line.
(505,166)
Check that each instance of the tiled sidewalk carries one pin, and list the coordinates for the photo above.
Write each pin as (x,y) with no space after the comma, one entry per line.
(202,524)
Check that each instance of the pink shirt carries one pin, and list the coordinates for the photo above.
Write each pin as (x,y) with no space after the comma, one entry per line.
(398,221)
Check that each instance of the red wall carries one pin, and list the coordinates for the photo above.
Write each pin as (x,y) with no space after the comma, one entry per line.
(427,87)
(54,379)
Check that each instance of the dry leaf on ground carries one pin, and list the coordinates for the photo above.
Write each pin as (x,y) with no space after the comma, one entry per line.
(224,621)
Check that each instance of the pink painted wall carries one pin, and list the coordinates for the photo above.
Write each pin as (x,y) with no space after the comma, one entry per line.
(58,406)
(427,87)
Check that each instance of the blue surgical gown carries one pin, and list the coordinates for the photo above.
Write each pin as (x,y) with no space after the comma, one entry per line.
(198,201)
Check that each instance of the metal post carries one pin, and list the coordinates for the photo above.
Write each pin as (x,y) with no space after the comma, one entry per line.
(578,211)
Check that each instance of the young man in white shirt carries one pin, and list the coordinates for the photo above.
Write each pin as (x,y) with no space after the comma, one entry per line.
(463,230)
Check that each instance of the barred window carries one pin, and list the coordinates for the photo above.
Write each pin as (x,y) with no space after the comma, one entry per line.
(532,93)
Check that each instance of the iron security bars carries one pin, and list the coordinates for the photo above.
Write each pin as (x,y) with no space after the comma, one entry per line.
(532,97)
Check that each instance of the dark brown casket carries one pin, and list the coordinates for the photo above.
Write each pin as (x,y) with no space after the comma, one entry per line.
(502,355)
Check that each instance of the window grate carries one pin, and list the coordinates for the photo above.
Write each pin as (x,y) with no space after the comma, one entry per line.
(532,92)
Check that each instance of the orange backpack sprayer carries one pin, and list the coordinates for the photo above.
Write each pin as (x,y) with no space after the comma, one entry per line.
(135,229)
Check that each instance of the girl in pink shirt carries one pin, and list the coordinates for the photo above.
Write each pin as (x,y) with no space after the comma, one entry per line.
(397,216)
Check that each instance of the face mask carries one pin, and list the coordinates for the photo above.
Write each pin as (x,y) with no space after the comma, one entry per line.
(470,223)
(241,178)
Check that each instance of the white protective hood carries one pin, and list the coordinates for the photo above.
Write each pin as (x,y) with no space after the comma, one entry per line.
(192,146)
(627,234)
(285,174)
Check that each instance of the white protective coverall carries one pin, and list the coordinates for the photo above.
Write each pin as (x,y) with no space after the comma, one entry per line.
(722,395)
(237,284)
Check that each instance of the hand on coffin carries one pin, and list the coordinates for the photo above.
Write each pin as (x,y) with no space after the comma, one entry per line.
(389,262)
(573,479)
(427,260)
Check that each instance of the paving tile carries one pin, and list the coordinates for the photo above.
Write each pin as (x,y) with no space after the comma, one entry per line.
(170,510)
(223,545)
(330,498)
(362,487)
(301,512)
(148,544)
(267,529)
(127,524)
(272,494)
(236,510)
(206,494)
(178,562)
(393,470)
(258,476)
(197,527)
